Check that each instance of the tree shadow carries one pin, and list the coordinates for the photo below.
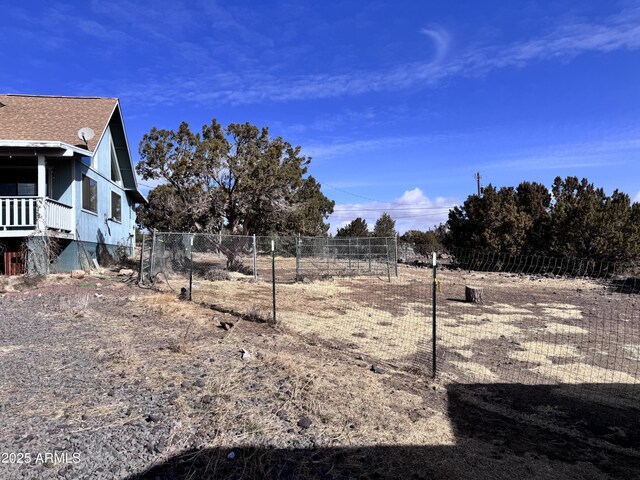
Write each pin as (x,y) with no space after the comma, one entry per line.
(501,431)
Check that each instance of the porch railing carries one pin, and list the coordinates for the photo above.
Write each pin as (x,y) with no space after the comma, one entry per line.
(58,215)
(19,213)
(23,213)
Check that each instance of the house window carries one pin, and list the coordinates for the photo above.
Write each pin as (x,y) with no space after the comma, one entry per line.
(89,194)
(115,167)
(18,182)
(116,207)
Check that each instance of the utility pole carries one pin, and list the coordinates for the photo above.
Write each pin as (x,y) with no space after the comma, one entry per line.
(478,177)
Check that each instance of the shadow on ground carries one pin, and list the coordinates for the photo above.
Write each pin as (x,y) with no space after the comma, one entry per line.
(505,431)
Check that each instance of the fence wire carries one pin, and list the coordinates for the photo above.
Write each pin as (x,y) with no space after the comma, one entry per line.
(568,323)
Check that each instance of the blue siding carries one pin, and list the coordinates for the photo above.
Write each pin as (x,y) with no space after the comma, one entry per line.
(97,228)
(61,187)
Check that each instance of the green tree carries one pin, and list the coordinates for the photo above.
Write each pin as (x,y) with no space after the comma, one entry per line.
(385,226)
(425,241)
(488,222)
(587,223)
(357,228)
(533,201)
(237,177)
(575,219)
(166,211)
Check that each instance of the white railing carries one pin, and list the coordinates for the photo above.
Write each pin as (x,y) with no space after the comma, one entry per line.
(58,215)
(23,213)
(19,213)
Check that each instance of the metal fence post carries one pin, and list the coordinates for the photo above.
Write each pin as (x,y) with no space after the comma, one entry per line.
(141,267)
(388,263)
(273,277)
(433,318)
(191,266)
(153,255)
(255,258)
(395,260)
(298,258)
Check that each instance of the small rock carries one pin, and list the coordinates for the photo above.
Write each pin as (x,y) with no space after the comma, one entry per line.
(282,414)
(376,369)
(185,384)
(226,325)
(246,355)
(306,281)
(78,274)
(304,422)
(199,383)
(206,399)
(125,271)
(153,417)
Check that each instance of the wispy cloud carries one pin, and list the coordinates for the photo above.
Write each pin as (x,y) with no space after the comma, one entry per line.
(336,149)
(567,40)
(602,153)
(412,210)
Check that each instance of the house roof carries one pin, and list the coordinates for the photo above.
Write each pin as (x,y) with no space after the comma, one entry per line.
(50,118)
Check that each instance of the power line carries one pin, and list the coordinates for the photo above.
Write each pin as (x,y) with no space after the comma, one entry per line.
(395,209)
(350,193)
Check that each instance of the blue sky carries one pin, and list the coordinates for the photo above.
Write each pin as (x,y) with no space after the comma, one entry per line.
(398,103)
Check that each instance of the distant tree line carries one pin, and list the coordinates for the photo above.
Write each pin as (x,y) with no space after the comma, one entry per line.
(572,219)
(385,226)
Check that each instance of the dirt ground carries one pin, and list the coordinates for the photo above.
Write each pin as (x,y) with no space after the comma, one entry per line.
(539,382)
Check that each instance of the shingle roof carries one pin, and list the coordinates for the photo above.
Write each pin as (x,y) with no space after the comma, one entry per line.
(31,117)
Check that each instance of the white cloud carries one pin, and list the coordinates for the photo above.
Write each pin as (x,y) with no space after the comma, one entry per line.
(412,210)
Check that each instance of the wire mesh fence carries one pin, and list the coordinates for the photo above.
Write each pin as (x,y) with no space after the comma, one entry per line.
(530,320)
(541,321)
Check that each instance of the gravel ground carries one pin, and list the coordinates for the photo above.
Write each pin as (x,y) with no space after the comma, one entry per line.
(63,395)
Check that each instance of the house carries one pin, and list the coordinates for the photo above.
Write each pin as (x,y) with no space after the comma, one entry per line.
(67,183)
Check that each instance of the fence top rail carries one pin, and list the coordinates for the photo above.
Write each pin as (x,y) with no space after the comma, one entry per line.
(273,237)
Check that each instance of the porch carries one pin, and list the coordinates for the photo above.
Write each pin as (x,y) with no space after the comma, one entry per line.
(21,216)
(36,193)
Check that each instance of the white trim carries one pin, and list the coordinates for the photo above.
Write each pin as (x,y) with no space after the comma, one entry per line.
(82,194)
(42,179)
(74,206)
(111,207)
(106,127)
(84,210)
(44,144)
(114,158)
(126,141)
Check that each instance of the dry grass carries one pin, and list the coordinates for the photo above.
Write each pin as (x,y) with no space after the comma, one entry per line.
(576,373)
(159,340)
